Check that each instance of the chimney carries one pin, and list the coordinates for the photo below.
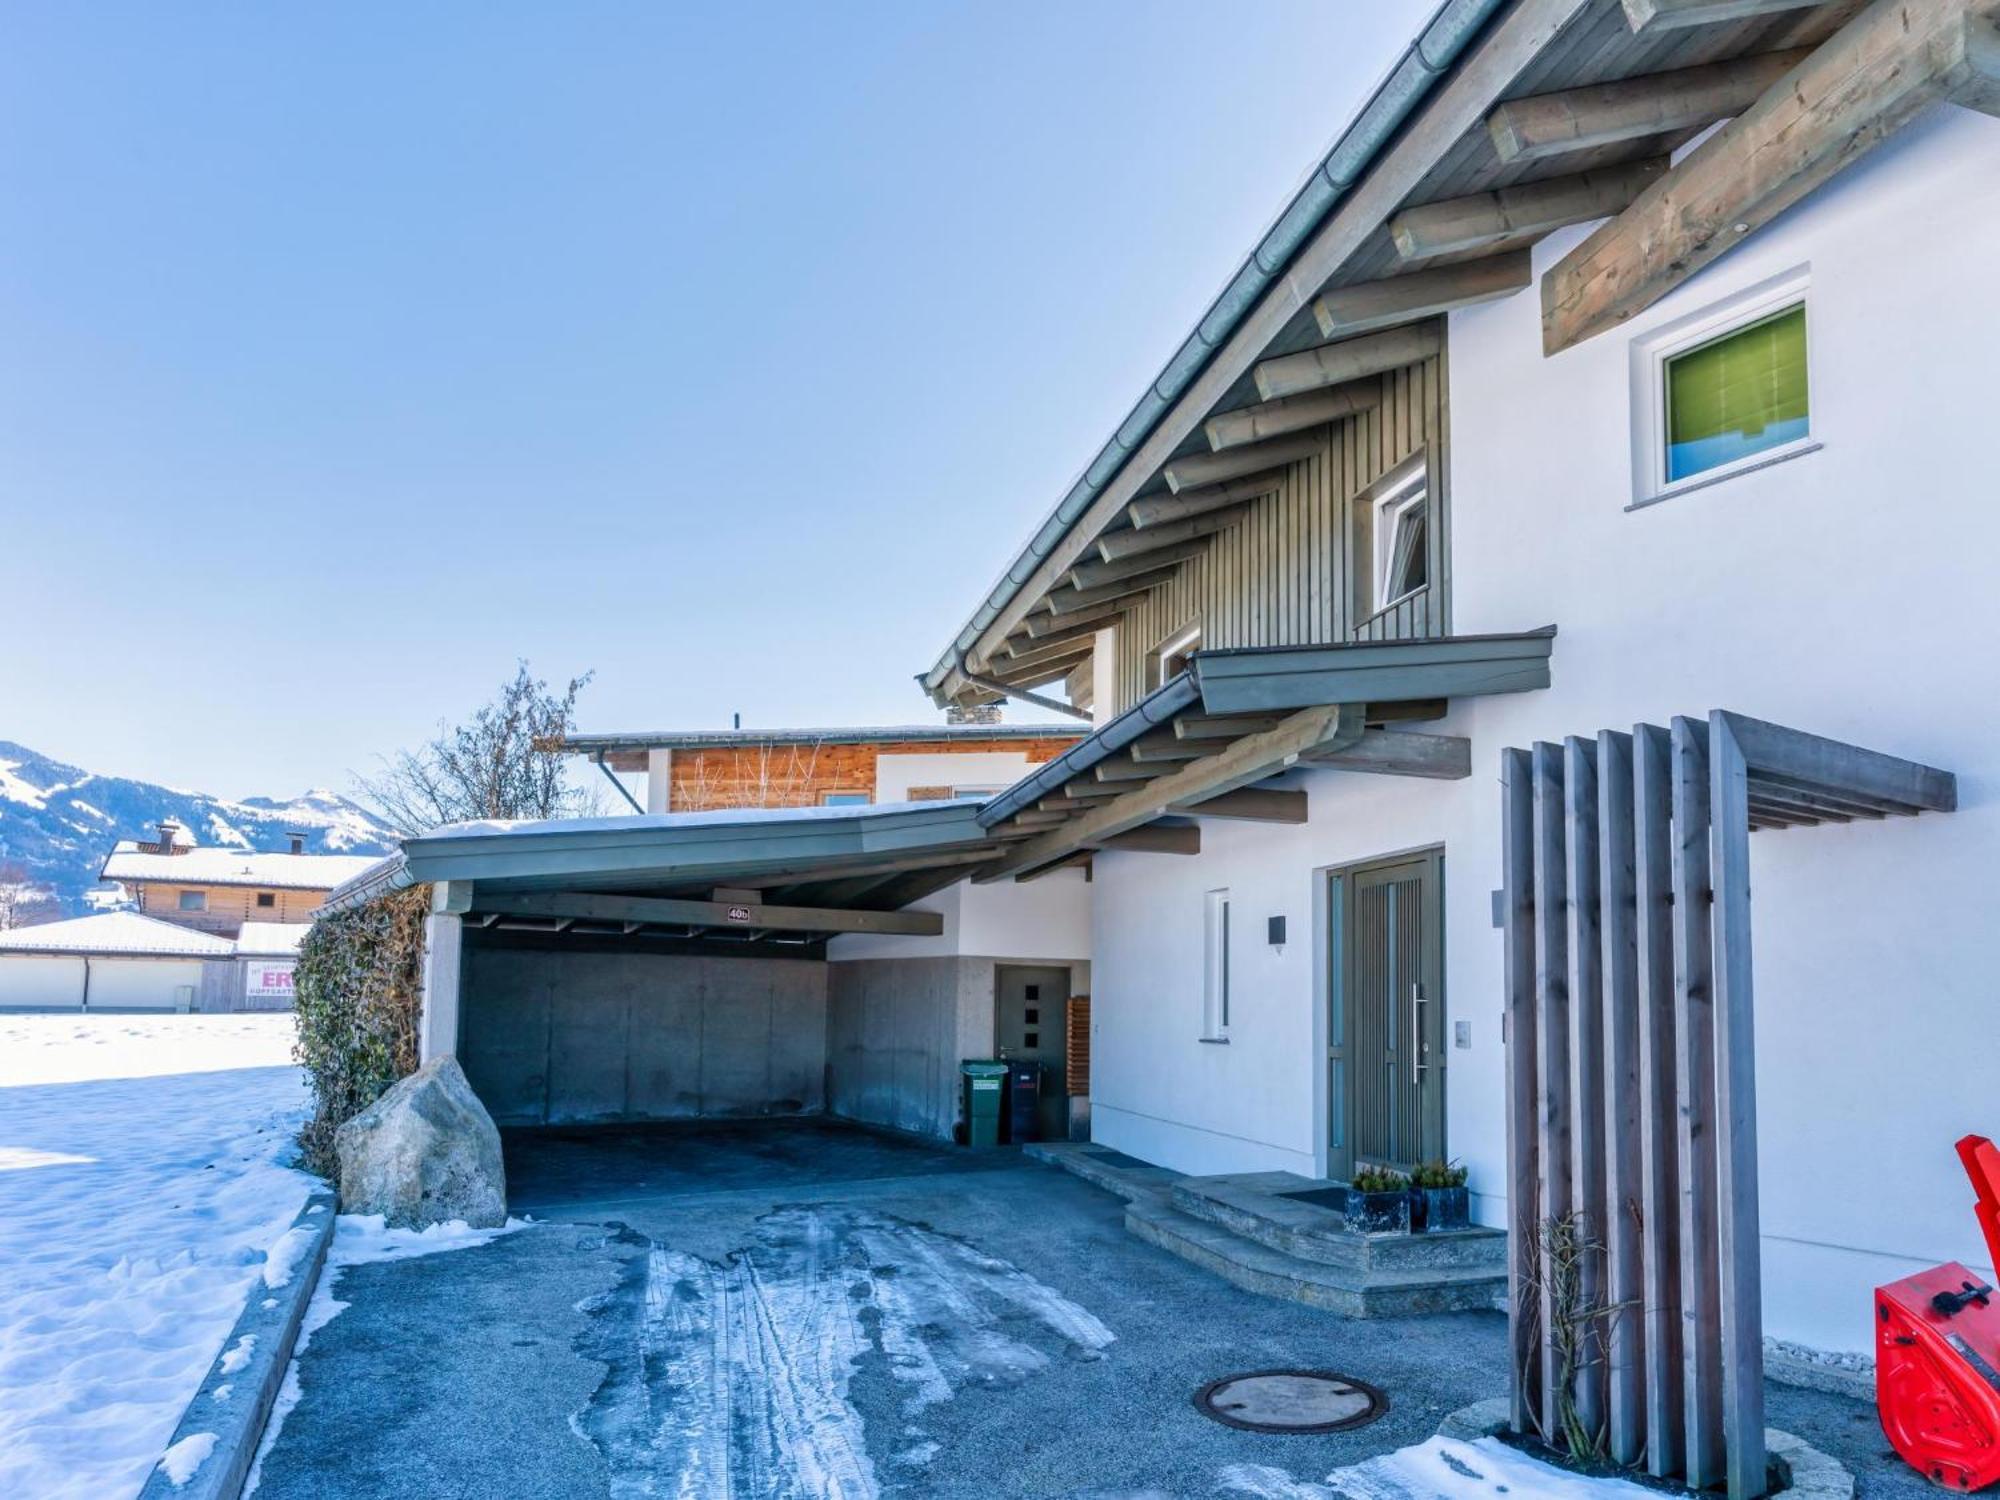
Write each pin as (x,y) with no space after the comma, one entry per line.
(297,840)
(174,838)
(981,713)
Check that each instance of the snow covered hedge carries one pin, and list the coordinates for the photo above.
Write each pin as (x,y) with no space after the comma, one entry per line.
(359,989)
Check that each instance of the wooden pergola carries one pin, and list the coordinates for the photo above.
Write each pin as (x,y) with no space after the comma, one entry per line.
(1631,1070)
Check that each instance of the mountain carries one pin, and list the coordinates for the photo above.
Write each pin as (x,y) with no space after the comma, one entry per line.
(59,821)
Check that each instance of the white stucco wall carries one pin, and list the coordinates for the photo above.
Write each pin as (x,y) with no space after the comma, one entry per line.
(1039,919)
(1848,592)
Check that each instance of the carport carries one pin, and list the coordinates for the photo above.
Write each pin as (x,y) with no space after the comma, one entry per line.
(689,965)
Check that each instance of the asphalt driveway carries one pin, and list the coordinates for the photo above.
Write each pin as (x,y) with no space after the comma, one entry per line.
(811,1309)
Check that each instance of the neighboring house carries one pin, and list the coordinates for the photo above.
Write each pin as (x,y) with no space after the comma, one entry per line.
(218,890)
(1373,595)
(123,960)
(973,755)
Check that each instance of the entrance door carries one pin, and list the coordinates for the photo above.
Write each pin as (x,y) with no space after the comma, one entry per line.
(1029,1026)
(1388,1026)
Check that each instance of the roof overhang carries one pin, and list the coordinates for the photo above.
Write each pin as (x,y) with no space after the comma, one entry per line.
(1506,121)
(1201,744)
(628,751)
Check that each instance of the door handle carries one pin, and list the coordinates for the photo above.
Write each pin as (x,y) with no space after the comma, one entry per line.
(1418,1045)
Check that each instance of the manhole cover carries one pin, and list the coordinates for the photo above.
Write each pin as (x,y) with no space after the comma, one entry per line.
(1291,1401)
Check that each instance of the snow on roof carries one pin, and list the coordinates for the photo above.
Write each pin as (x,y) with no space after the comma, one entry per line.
(868,734)
(306,872)
(271,939)
(124,932)
(712,818)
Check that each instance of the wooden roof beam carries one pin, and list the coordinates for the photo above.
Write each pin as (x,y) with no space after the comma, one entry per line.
(1421,294)
(1081,601)
(1244,763)
(1631,109)
(1211,727)
(1042,653)
(1158,838)
(1159,510)
(1255,458)
(565,906)
(1648,17)
(1851,93)
(1384,752)
(1161,745)
(1526,211)
(1083,631)
(1139,546)
(1127,770)
(1269,419)
(1253,805)
(1150,551)
(1048,627)
(1349,360)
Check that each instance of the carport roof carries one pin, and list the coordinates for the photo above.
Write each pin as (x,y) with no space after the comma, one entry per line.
(116,934)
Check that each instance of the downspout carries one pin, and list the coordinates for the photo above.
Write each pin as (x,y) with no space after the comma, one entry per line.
(1019,694)
(611,776)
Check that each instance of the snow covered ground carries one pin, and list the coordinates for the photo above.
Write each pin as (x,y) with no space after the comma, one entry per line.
(1441,1469)
(141,1186)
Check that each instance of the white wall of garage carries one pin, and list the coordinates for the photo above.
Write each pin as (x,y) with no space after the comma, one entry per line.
(56,982)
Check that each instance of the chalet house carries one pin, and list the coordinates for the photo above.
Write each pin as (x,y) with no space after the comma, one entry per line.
(217,890)
(973,754)
(1498,579)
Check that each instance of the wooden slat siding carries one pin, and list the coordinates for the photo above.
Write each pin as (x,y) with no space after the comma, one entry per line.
(1283,575)
(1740,1244)
(1694,1030)
(1554,1117)
(1517,858)
(1659,1109)
(1624,1282)
(1076,1038)
(1586,1056)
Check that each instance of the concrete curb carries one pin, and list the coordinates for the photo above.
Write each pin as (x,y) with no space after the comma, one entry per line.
(1808,1473)
(270,1319)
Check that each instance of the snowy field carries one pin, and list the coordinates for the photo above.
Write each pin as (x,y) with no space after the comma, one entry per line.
(141,1186)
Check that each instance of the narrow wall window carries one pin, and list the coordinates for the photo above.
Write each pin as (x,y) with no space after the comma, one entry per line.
(1169,659)
(1390,531)
(194,901)
(1722,392)
(1215,986)
(267,898)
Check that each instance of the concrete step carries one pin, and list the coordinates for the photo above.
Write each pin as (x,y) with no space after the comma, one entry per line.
(1257,1206)
(1258,1267)
(1102,1167)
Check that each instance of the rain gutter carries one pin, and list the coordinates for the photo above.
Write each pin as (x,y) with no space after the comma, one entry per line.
(1394,99)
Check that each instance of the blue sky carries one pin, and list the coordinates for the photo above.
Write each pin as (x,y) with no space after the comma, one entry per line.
(352,352)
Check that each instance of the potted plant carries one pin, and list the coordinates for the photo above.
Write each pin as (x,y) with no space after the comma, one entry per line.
(1440,1187)
(1378,1202)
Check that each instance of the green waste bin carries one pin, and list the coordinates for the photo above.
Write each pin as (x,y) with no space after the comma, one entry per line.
(983,1086)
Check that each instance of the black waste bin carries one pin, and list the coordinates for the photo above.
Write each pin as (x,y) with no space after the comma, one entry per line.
(1024,1101)
(983,1088)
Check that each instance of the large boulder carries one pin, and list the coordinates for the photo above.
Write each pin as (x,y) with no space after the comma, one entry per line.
(424,1153)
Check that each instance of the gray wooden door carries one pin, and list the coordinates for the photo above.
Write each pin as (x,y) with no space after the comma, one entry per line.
(1029,1025)
(1388,1041)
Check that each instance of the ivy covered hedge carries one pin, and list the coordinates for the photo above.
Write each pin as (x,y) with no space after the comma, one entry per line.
(359,988)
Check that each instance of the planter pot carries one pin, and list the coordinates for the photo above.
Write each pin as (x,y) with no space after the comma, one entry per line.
(1446,1208)
(1378,1213)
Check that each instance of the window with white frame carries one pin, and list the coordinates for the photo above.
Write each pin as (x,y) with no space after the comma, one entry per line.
(1722,392)
(1169,659)
(1215,984)
(1391,525)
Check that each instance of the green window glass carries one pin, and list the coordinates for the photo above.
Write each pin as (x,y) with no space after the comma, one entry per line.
(1738,395)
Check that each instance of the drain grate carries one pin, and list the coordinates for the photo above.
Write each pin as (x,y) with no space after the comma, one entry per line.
(1291,1401)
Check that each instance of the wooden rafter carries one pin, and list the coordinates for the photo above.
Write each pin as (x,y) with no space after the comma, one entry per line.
(1421,294)
(1269,419)
(1854,91)
(1159,510)
(1140,545)
(1649,16)
(1631,109)
(1146,552)
(1242,764)
(1234,463)
(1523,212)
(1080,601)
(1346,361)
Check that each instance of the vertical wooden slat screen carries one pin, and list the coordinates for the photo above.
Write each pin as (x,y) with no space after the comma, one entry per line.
(1631,1095)
(1076,1043)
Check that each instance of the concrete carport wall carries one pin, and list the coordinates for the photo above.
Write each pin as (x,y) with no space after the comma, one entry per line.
(676,965)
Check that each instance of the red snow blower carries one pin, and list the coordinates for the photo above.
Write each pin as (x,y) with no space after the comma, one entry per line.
(1937,1353)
